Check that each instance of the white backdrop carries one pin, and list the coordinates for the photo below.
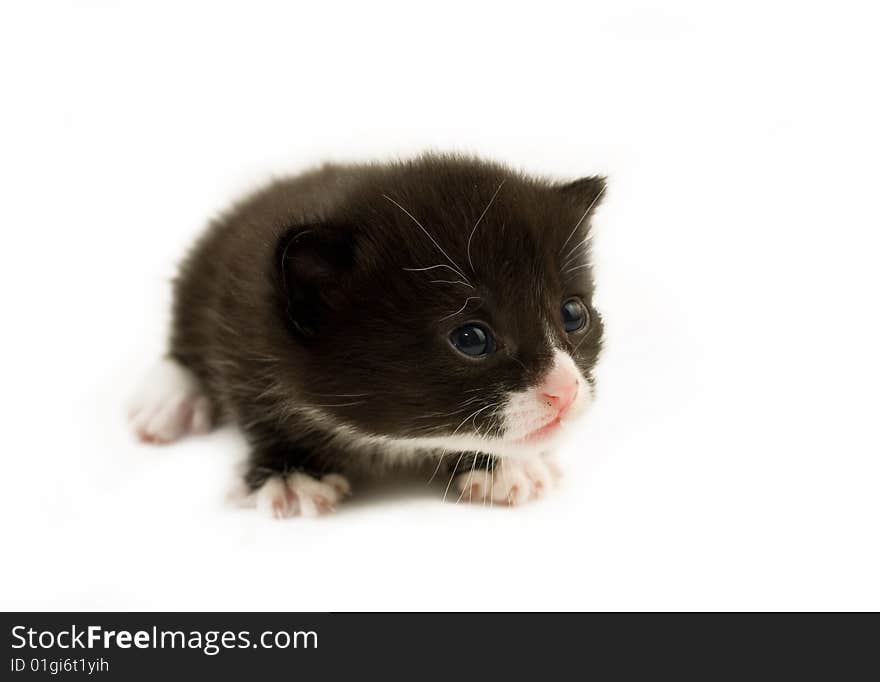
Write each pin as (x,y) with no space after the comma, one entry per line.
(731,461)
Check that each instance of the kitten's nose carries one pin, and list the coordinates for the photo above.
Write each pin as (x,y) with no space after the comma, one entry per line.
(560,388)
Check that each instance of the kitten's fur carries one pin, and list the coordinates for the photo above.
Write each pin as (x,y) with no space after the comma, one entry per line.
(316,314)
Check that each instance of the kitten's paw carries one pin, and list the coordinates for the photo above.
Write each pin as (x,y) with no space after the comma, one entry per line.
(299,494)
(168,405)
(512,481)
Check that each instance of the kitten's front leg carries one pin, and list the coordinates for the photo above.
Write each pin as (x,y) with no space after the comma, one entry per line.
(507,480)
(285,479)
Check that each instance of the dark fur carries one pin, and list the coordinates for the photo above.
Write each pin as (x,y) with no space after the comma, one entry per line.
(299,296)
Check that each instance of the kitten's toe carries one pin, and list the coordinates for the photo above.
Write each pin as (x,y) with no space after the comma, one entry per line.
(299,494)
(513,485)
(276,499)
(553,466)
(339,482)
(239,494)
(200,419)
(168,405)
(474,485)
(318,497)
(539,474)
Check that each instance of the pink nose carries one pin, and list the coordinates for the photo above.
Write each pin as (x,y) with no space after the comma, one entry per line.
(560,389)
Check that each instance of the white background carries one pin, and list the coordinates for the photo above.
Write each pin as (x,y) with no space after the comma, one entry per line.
(731,461)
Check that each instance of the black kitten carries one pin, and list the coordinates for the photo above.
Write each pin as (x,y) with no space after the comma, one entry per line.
(437,310)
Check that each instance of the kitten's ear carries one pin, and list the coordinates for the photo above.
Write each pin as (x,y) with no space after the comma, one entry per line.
(587,192)
(313,261)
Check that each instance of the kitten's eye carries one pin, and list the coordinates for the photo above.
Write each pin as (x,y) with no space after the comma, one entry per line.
(574,315)
(472,340)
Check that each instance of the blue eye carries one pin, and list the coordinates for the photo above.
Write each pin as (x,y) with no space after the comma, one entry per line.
(574,315)
(472,340)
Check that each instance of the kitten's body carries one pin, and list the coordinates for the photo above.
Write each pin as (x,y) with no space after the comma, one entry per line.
(317,315)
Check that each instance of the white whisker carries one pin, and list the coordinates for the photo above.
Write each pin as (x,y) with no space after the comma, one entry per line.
(504,482)
(577,267)
(450,281)
(477,224)
(439,462)
(428,234)
(461,408)
(578,224)
(491,482)
(575,349)
(571,255)
(452,476)
(431,267)
(473,415)
(339,395)
(359,402)
(467,485)
(467,300)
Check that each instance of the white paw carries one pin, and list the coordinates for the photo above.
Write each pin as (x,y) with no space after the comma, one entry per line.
(512,481)
(299,494)
(168,405)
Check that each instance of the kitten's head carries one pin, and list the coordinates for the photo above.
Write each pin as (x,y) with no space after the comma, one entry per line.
(450,301)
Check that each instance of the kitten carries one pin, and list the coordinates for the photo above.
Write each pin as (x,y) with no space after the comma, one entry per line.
(434,311)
